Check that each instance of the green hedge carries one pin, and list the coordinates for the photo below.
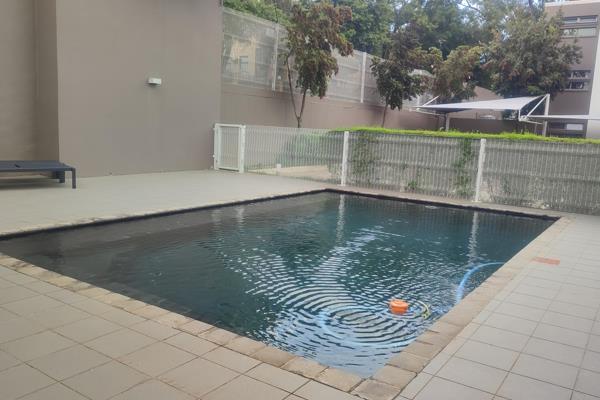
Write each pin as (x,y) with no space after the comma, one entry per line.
(465,135)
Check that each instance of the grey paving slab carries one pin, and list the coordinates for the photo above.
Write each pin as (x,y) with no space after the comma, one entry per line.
(66,363)
(21,380)
(188,379)
(105,381)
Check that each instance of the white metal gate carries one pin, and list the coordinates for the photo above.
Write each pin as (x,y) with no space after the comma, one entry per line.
(229,147)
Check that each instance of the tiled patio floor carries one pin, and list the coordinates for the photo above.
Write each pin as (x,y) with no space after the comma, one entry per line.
(539,338)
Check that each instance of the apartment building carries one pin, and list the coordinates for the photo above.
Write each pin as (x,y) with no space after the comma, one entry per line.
(582,96)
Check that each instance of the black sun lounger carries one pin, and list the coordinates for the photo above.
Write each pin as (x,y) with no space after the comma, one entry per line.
(57,168)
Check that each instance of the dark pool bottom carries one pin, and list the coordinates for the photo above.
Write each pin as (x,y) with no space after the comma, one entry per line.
(312,275)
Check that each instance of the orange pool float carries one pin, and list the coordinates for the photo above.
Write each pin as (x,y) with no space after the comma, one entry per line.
(398,306)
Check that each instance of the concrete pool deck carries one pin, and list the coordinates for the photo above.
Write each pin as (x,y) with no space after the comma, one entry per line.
(531,331)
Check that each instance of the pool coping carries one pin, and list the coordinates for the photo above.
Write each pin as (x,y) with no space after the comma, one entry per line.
(388,381)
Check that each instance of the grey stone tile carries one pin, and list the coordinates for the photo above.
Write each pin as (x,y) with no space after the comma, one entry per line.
(346,381)
(371,389)
(152,390)
(528,301)
(21,380)
(69,362)
(7,361)
(277,377)
(247,346)
(16,328)
(246,388)
(546,370)
(120,343)
(5,315)
(191,344)
(594,343)
(31,305)
(573,309)
(473,374)
(554,351)
(519,387)
(198,377)
(438,389)
(500,338)
(122,318)
(487,354)
(67,297)
(230,359)
(437,363)
(561,335)
(54,392)
(302,366)
(105,381)
(154,330)
(58,316)
(511,323)
(87,329)
(591,361)
(416,385)
(520,311)
(18,278)
(41,287)
(15,293)
(317,391)
(588,382)
(568,321)
(273,356)
(37,345)
(93,306)
(157,358)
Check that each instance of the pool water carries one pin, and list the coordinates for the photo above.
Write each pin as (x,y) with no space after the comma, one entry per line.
(312,275)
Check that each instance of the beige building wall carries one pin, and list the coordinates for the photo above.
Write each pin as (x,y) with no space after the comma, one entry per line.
(17,79)
(252,106)
(111,121)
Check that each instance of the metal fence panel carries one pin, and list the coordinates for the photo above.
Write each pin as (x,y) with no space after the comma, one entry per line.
(427,165)
(302,153)
(558,176)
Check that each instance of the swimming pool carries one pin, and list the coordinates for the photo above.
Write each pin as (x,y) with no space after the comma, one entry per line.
(312,275)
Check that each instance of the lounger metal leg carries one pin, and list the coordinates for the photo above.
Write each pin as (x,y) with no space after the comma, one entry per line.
(73,179)
(61,177)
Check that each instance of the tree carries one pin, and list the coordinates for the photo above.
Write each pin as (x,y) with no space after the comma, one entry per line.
(273,10)
(396,78)
(370,27)
(313,34)
(530,57)
(457,76)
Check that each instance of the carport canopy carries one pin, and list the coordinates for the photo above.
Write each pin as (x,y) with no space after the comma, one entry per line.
(512,104)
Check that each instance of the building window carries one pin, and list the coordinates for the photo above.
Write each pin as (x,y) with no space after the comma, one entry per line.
(578,85)
(574,127)
(580,74)
(578,32)
(244,64)
(567,126)
(588,19)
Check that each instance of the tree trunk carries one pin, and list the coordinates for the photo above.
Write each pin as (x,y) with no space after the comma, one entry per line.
(299,117)
(384,114)
(289,74)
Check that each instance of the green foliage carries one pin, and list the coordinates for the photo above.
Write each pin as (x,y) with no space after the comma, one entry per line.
(465,135)
(313,34)
(370,27)
(462,181)
(444,24)
(395,76)
(455,77)
(273,10)
(530,57)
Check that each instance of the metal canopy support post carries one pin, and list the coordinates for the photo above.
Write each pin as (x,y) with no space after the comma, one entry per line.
(447,116)
(345,159)
(480,164)
(546,110)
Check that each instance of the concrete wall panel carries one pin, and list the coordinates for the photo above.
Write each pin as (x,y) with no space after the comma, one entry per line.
(17,79)
(111,120)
